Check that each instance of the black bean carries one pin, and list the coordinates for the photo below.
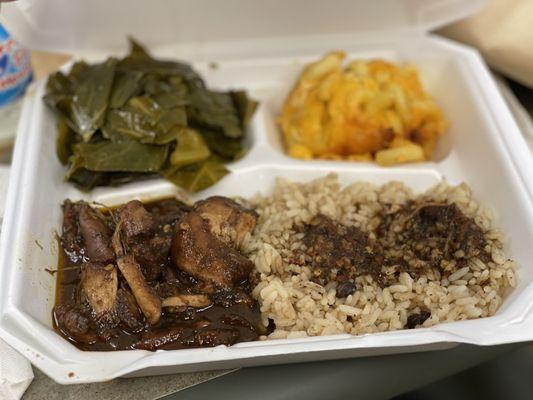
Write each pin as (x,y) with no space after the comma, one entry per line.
(417,319)
(346,288)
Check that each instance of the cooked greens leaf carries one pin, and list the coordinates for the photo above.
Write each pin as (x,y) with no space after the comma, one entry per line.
(77,73)
(125,156)
(65,140)
(146,107)
(87,180)
(221,145)
(90,99)
(126,85)
(160,68)
(76,165)
(172,117)
(215,110)
(137,49)
(245,107)
(59,93)
(153,84)
(81,177)
(124,124)
(191,148)
(197,176)
(58,90)
(171,99)
(144,121)
(169,136)
(129,119)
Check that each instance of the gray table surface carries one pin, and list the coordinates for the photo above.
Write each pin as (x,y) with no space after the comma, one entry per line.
(152,387)
(362,378)
(370,378)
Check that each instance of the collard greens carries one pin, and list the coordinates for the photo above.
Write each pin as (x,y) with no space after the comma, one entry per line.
(133,118)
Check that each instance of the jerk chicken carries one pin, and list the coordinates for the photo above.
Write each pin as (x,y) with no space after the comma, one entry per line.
(214,228)
(161,275)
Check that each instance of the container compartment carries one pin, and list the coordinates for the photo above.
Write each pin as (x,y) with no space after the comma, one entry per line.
(474,150)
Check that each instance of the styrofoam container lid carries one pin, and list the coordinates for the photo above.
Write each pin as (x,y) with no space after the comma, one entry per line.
(79,26)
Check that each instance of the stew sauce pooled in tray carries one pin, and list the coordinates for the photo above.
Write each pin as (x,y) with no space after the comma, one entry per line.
(120,286)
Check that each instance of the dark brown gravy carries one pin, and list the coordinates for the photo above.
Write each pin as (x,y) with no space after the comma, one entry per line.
(227,313)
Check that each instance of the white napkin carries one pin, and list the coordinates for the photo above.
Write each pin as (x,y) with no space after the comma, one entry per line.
(15,373)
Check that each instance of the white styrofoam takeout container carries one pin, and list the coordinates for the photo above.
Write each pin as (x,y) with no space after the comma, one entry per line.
(482,147)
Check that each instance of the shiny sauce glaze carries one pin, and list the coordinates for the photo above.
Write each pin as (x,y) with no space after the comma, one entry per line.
(233,315)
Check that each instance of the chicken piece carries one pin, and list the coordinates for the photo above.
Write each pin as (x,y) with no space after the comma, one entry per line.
(187,300)
(99,284)
(71,239)
(109,304)
(96,235)
(223,213)
(135,219)
(128,311)
(201,254)
(167,212)
(73,323)
(151,254)
(145,295)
